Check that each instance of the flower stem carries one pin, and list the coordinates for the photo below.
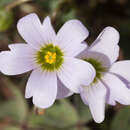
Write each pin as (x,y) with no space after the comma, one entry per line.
(39,111)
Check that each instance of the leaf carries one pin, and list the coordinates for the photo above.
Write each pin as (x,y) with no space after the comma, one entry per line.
(6,19)
(60,115)
(5,2)
(69,15)
(84,113)
(11,128)
(121,120)
(83,110)
(54,4)
(15,108)
(52,128)
(84,128)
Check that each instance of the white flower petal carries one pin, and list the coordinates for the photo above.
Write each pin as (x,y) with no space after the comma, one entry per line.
(122,68)
(70,37)
(107,43)
(77,49)
(95,97)
(49,33)
(75,72)
(80,47)
(43,87)
(103,59)
(62,91)
(118,91)
(13,64)
(111,101)
(31,29)
(22,49)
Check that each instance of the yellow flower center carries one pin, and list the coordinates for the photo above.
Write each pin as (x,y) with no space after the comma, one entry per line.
(50,57)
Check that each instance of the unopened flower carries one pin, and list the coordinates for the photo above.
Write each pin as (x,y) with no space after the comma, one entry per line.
(51,57)
(109,85)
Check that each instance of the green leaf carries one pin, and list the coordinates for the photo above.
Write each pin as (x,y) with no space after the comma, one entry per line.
(53,128)
(74,128)
(121,120)
(16,107)
(84,128)
(54,4)
(69,15)
(60,115)
(5,2)
(6,19)
(85,114)
(11,128)
(83,110)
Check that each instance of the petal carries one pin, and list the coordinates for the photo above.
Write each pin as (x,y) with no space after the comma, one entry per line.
(22,49)
(62,91)
(106,43)
(110,100)
(101,58)
(75,72)
(43,87)
(49,33)
(13,63)
(31,29)
(77,49)
(118,91)
(70,37)
(122,68)
(80,48)
(95,97)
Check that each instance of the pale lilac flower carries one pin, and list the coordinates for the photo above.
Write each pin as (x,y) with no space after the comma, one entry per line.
(109,85)
(50,57)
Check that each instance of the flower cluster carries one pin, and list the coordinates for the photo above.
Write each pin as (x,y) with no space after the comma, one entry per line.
(63,64)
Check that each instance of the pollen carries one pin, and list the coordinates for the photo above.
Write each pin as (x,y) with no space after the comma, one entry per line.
(50,57)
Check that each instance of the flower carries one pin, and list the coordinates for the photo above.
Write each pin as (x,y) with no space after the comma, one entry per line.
(55,71)
(109,85)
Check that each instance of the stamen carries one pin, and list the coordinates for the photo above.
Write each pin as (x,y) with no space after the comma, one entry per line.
(100,69)
(50,57)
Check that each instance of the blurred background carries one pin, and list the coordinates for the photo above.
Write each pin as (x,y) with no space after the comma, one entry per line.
(18,113)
